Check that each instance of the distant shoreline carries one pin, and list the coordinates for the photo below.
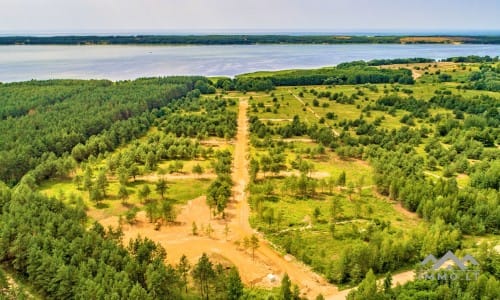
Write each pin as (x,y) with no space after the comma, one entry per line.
(229,39)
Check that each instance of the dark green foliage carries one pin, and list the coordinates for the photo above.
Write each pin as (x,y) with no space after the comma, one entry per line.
(184,119)
(485,286)
(400,176)
(471,59)
(348,73)
(234,285)
(219,191)
(366,290)
(443,77)
(487,78)
(45,242)
(476,105)
(204,275)
(417,108)
(253,84)
(43,121)
(396,61)
(285,289)
(230,40)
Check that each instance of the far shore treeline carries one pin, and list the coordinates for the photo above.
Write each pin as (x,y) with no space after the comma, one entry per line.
(245,39)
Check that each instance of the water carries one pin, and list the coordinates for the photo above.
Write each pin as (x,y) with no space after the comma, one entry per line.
(18,63)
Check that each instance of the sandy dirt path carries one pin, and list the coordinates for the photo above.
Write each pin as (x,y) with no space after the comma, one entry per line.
(179,240)
(311,284)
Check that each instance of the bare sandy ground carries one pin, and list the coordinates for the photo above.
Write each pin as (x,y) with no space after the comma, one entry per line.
(179,240)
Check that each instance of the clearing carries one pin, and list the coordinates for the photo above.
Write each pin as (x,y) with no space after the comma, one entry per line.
(179,240)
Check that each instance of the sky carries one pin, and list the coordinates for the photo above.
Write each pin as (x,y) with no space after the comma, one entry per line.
(220,16)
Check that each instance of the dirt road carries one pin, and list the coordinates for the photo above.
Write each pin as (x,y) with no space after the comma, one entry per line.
(311,284)
(179,240)
(222,245)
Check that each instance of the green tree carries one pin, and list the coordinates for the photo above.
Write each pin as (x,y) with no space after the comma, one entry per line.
(330,183)
(367,289)
(295,292)
(361,183)
(350,190)
(254,169)
(316,213)
(87,179)
(209,230)
(134,171)
(95,194)
(335,209)
(122,174)
(161,280)
(265,163)
(246,243)
(254,244)
(234,285)
(144,193)
(130,215)
(387,283)
(168,211)
(203,274)
(183,270)
(161,187)
(138,293)
(102,182)
(123,193)
(341,180)
(151,210)
(150,161)
(285,289)
(77,180)
(197,169)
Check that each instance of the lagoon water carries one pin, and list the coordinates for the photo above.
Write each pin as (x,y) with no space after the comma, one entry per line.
(19,63)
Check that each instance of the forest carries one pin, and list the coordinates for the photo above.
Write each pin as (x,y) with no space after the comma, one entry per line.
(240,39)
(358,171)
(48,244)
(343,74)
(43,121)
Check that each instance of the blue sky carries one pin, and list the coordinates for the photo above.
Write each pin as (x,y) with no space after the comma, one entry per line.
(77,16)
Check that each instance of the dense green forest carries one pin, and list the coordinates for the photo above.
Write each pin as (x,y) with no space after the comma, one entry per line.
(242,39)
(428,146)
(346,73)
(48,244)
(42,122)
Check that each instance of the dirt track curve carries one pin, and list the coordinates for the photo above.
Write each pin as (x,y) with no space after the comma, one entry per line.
(179,240)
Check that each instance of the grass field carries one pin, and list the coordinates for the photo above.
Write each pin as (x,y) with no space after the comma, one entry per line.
(319,225)
(289,220)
